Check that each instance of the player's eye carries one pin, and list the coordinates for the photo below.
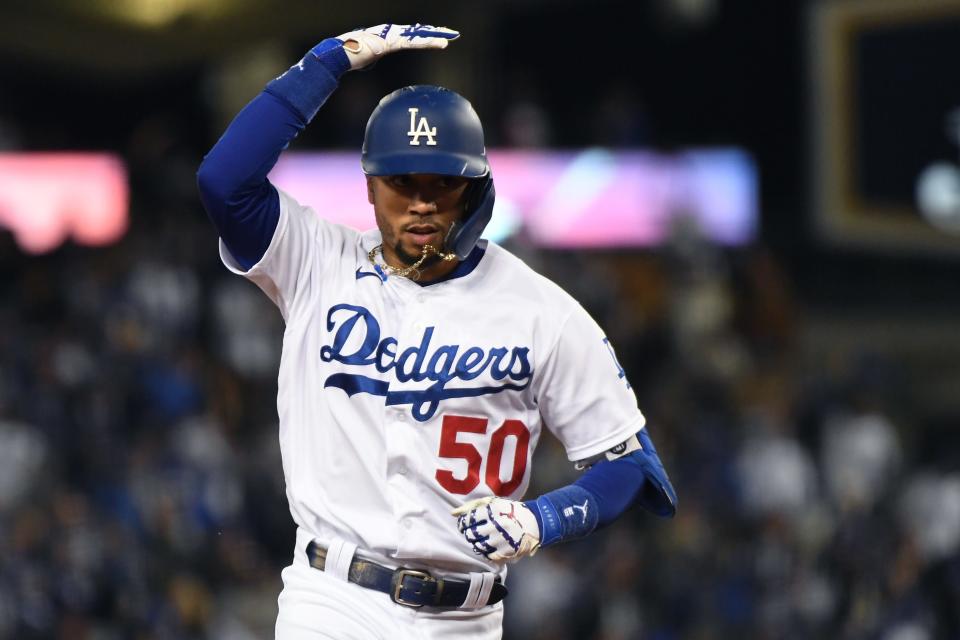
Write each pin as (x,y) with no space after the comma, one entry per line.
(400,181)
(449,183)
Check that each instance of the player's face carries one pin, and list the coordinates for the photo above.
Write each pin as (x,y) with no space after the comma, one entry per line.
(413,211)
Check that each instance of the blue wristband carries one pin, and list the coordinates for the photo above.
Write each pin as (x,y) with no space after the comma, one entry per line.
(306,85)
(567,513)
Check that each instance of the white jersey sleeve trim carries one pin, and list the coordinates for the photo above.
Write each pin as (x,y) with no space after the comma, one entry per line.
(607,442)
(303,250)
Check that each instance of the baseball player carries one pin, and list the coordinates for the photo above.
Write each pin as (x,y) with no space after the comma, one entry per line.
(420,366)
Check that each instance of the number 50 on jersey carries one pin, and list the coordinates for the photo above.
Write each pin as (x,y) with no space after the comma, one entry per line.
(452,448)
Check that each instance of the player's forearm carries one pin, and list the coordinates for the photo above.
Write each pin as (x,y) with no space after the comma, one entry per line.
(503,530)
(234,189)
(595,500)
(627,475)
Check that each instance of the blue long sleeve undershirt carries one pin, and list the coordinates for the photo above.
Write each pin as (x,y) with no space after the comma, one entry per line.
(242,204)
(614,485)
(604,492)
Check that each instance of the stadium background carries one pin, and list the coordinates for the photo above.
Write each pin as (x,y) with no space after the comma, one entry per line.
(803,389)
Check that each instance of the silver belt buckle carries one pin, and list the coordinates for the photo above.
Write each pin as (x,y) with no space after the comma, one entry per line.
(398,577)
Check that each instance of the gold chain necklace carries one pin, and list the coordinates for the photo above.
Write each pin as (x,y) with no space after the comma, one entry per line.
(428,250)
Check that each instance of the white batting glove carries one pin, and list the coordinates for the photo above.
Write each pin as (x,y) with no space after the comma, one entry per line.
(498,529)
(365,46)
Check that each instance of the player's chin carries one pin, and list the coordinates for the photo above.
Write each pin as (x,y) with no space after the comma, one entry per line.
(414,243)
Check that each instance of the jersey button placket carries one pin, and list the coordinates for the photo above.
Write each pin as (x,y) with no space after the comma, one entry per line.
(403,486)
(399,488)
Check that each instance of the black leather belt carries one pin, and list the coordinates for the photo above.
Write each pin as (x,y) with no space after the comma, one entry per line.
(409,587)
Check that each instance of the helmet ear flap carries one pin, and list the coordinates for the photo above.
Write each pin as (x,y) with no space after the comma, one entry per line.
(478,209)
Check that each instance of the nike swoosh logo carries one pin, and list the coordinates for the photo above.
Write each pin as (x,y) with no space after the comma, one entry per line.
(372,274)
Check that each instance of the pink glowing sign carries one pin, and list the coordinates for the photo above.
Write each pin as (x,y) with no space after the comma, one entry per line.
(591,198)
(47,197)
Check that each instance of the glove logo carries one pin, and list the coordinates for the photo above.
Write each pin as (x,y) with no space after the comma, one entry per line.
(420,128)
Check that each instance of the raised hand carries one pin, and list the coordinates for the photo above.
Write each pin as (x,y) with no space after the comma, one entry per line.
(365,46)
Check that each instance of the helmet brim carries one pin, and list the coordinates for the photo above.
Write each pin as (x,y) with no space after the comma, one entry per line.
(442,164)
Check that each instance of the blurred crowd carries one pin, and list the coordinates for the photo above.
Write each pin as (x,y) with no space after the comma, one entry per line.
(140,495)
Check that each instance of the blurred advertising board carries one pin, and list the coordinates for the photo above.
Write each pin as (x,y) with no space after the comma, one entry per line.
(46,198)
(592,198)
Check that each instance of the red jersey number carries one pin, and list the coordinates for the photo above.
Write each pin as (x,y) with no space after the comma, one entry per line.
(450,447)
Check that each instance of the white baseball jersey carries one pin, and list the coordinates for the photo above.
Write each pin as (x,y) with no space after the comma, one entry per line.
(398,402)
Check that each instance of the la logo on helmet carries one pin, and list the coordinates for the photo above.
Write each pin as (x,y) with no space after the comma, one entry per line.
(420,128)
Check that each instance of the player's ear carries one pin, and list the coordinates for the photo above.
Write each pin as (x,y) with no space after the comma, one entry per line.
(370,189)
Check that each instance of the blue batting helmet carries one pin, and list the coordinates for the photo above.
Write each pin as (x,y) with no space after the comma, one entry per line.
(428,129)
